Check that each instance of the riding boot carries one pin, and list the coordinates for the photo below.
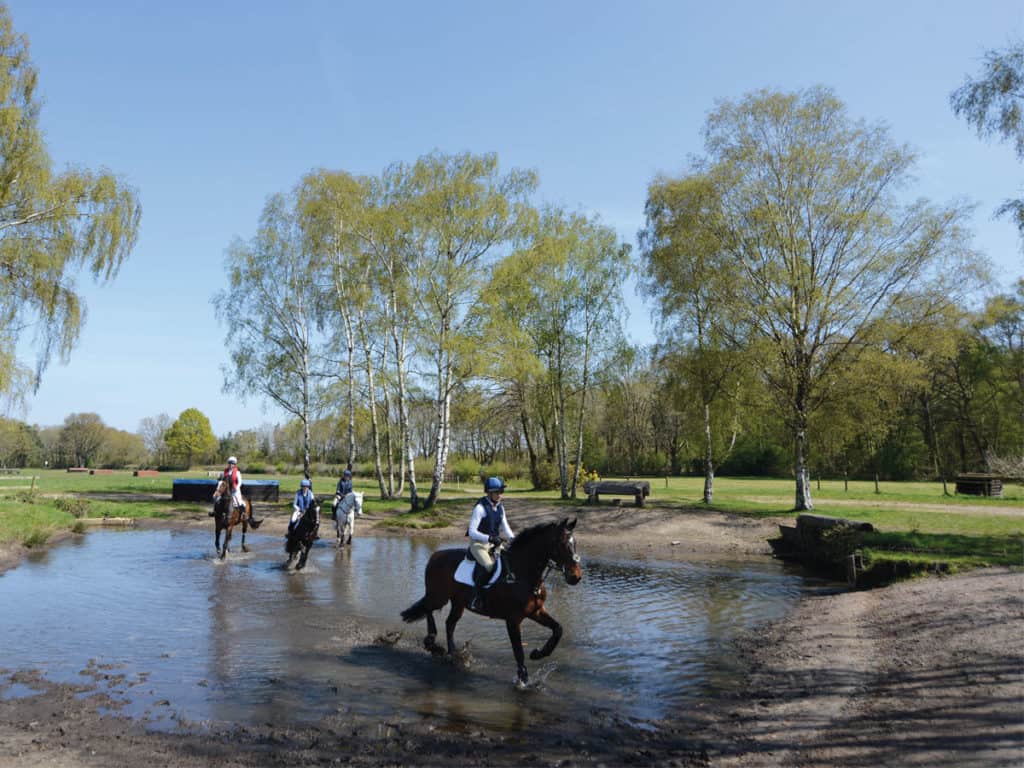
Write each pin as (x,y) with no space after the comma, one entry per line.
(480,577)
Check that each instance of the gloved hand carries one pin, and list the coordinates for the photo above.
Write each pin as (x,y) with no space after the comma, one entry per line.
(494,540)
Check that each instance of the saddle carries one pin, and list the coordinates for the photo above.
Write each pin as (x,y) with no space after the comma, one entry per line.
(469,570)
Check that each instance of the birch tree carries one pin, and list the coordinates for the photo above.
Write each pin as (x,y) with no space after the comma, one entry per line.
(52,227)
(823,244)
(463,213)
(271,349)
(687,271)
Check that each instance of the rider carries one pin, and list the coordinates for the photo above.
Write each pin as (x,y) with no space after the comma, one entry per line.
(343,490)
(233,478)
(486,527)
(304,501)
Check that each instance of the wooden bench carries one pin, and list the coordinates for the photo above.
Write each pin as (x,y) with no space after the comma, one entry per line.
(638,489)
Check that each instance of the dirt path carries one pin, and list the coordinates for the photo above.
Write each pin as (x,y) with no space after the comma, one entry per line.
(924,673)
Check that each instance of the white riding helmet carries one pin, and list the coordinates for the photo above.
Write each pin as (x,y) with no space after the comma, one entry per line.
(232,460)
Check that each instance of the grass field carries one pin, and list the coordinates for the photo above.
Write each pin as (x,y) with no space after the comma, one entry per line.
(915,519)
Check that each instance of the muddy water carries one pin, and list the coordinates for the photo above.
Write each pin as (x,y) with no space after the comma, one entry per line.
(172,635)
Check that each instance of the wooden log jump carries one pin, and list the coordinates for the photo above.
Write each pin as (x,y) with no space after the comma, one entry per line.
(638,489)
(187,489)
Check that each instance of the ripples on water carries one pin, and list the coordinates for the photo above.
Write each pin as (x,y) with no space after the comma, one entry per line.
(152,617)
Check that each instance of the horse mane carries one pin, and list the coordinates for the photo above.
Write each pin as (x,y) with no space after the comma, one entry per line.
(525,540)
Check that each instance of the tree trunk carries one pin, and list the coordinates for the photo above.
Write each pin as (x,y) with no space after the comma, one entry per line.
(371,398)
(803,502)
(351,364)
(579,422)
(524,419)
(388,447)
(803,486)
(443,439)
(709,465)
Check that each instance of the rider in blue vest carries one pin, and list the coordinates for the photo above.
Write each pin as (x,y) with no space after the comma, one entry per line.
(486,527)
(304,502)
(344,489)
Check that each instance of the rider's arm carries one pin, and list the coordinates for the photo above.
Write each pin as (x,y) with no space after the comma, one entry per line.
(474,524)
(506,531)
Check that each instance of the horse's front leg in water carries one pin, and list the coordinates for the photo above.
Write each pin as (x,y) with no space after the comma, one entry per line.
(544,618)
(244,527)
(454,614)
(515,637)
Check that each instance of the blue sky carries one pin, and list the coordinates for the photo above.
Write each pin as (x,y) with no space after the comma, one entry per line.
(206,108)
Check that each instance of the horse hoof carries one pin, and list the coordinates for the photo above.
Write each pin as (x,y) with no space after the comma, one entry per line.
(536,654)
(245,548)
(523,678)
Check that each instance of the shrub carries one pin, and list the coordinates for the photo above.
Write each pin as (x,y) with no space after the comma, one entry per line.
(73,505)
(547,476)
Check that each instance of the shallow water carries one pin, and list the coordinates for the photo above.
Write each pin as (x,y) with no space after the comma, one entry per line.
(155,621)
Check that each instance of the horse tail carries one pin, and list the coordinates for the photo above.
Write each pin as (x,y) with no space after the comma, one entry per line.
(254,523)
(416,611)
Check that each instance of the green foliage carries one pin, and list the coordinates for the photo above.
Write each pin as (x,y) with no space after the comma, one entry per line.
(546,477)
(755,458)
(53,226)
(73,505)
(965,551)
(993,104)
(465,468)
(81,438)
(190,438)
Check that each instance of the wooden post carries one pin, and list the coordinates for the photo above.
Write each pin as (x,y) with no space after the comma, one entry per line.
(876,483)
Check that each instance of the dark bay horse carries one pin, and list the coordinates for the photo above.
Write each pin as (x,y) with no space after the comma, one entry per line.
(227,516)
(532,553)
(299,539)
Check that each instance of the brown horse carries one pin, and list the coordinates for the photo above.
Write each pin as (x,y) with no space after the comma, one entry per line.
(519,593)
(227,516)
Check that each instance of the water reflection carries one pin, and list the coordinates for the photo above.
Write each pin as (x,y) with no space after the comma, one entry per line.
(244,640)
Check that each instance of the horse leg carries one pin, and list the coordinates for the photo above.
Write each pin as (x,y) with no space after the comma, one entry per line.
(454,614)
(544,618)
(245,527)
(227,539)
(516,638)
(302,557)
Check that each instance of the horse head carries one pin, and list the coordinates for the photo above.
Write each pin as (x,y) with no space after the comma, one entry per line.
(551,544)
(357,500)
(564,553)
(222,488)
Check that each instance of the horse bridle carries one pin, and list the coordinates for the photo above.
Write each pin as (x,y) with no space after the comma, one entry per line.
(552,564)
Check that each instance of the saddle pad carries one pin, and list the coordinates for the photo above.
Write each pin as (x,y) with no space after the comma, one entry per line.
(464,573)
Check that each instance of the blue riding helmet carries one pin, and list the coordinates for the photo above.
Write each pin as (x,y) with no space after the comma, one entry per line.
(347,473)
(494,484)
(306,483)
